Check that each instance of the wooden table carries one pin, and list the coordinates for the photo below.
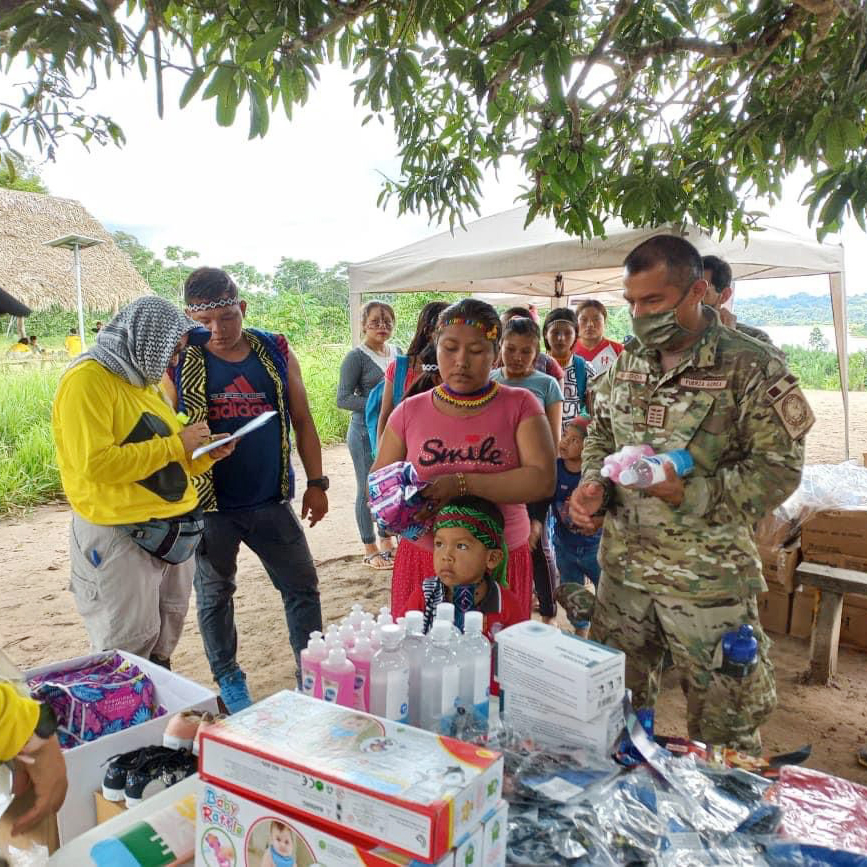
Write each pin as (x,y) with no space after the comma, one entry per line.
(832,584)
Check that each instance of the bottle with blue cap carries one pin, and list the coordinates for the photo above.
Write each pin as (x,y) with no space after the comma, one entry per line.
(650,470)
(740,652)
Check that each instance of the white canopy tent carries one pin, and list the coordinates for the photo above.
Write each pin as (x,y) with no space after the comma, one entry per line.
(496,256)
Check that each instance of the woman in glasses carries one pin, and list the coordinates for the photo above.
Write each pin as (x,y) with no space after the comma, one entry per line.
(361,370)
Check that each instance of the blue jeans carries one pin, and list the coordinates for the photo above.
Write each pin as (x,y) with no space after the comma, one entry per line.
(358,441)
(577,564)
(276,536)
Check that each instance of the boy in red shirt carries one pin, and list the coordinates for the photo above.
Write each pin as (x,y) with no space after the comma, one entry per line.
(592,344)
(470,561)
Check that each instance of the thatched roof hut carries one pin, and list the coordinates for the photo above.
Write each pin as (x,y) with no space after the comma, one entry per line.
(42,277)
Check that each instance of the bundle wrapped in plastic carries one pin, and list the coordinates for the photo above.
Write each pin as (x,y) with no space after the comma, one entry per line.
(823,486)
(394,494)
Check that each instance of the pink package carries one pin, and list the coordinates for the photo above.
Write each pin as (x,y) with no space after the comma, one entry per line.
(107,696)
(616,463)
(395,500)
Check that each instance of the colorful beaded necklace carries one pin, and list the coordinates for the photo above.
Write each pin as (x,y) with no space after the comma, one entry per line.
(472,400)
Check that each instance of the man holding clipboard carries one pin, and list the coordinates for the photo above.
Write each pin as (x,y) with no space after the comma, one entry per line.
(237,377)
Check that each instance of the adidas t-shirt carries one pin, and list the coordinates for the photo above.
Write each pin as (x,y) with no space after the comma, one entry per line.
(237,392)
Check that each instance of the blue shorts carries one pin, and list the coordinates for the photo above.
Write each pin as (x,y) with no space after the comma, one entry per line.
(577,564)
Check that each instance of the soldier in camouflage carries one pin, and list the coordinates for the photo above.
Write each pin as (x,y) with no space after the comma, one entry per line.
(718,274)
(679,562)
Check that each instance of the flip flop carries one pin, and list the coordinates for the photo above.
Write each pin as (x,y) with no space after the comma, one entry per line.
(369,558)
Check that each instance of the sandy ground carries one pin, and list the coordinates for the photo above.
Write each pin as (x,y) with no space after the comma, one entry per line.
(40,622)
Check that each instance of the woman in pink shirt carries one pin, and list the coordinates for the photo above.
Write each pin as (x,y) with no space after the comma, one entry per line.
(471,436)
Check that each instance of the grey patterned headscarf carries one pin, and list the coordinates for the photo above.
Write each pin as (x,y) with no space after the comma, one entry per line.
(139,342)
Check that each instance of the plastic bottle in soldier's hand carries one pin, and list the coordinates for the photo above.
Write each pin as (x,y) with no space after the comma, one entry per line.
(649,471)
(740,652)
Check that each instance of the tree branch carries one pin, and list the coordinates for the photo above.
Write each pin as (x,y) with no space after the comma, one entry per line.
(514,22)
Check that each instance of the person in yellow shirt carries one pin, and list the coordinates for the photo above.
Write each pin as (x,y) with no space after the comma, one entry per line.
(72,344)
(126,463)
(20,346)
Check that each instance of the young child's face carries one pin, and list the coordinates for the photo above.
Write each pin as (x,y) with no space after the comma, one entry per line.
(459,557)
(519,354)
(282,840)
(571,444)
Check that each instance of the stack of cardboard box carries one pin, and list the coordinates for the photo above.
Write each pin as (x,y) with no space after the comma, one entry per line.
(296,777)
(835,537)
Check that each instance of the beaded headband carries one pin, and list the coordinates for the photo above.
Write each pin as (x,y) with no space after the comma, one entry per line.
(489,332)
(430,368)
(481,526)
(212,305)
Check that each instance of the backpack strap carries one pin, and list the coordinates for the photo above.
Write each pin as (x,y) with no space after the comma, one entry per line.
(580,368)
(401,366)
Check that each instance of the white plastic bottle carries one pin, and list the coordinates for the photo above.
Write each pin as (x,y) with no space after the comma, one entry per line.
(446,611)
(414,645)
(360,656)
(474,655)
(312,658)
(389,677)
(440,681)
(333,640)
(384,618)
(385,610)
(651,470)
(338,678)
(356,615)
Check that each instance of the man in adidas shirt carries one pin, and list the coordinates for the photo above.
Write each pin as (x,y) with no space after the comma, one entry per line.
(239,374)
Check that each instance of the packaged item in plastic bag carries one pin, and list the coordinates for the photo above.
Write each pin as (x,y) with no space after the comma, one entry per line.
(104,697)
(394,494)
(821,809)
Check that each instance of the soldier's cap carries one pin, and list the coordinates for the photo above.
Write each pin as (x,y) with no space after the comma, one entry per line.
(12,306)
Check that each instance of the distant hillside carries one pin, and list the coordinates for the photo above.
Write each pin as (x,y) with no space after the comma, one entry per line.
(799,309)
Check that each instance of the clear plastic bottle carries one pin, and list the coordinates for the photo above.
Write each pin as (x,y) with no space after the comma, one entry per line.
(651,470)
(312,658)
(446,611)
(338,678)
(389,677)
(414,645)
(474,655)
(440,681)
(384,618)
(360,656)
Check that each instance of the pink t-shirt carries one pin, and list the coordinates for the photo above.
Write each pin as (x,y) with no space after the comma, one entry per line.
(439,444)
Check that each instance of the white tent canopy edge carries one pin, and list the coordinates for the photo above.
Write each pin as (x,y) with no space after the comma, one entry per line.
(497,256)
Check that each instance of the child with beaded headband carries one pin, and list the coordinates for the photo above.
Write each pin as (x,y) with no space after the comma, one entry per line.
(469,558)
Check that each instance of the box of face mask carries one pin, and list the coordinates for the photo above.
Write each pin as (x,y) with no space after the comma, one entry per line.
(579,678)
(244,833)
(385,782)
(495,830)
(551,727)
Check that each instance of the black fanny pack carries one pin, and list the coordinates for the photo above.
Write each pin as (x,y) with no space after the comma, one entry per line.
(173,540)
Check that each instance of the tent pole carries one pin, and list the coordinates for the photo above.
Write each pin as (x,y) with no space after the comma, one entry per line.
(76,254)
(355,317)
(837,286)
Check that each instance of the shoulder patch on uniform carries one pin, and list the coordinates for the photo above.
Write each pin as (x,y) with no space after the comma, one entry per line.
(791,406)
(712,384)
(631,376)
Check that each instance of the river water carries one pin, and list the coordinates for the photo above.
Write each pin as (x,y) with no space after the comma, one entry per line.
(799,335)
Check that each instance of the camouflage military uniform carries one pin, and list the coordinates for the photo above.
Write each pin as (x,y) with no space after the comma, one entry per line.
(677,579)
(755,333)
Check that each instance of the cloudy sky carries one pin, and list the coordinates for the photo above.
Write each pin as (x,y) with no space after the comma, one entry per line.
(308,190)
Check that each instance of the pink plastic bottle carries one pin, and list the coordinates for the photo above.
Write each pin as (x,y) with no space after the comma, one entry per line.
(338,678)
(347,636)
(312,658)
(360,657)
(616,463)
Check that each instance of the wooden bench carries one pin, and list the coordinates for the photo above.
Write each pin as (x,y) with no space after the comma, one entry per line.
(833,583)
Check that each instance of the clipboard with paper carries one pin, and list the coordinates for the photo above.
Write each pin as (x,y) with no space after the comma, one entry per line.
(251,425)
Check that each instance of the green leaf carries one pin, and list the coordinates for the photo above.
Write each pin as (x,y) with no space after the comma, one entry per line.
(221,81)
(834,144)
(194,82)
(265,45)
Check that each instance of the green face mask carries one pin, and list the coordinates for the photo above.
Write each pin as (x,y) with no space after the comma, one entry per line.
(660,330)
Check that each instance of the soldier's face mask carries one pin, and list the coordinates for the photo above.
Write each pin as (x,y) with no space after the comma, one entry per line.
(661,330)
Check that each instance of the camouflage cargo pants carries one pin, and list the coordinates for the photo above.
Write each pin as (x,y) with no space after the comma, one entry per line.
(720,709)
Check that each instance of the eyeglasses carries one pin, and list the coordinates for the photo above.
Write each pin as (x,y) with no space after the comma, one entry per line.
(380,323)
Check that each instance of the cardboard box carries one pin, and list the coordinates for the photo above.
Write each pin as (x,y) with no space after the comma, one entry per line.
(106,809)
(43,834)
(854,600)
(495,830)
(579,678)
(778,566)
(85,764)
(803,607)
(549,727)
(351,772)
(774,611)
(836,537)
(240,829)
(853,627)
